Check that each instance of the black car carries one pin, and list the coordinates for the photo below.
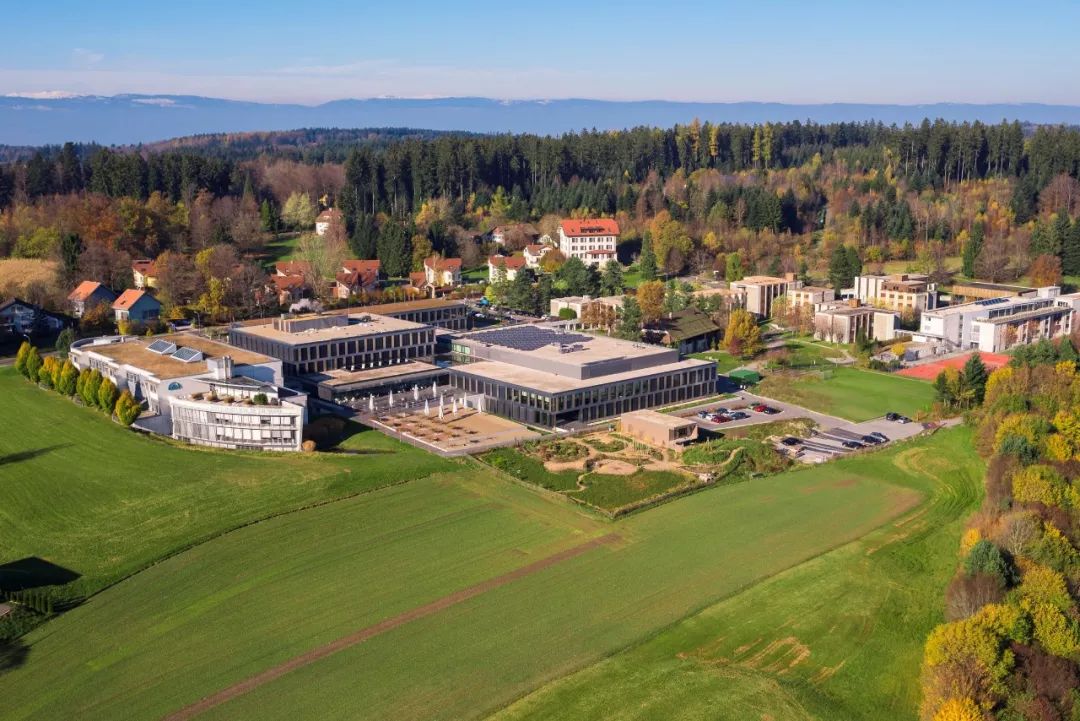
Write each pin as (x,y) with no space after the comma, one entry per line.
(770,411)
(738,415)
(892,416)
(870,440)
(790,441)
(880,436)
(852,445)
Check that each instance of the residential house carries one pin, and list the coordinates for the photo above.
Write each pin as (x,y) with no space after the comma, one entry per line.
(292,268)
(534,253)
(136,306)
(287,288)
(143,273)
(17,317)
(591,240)
(578,304)
(442,272)
(509,264)
(327,218)
(88,294)
(521,232)
(690,330)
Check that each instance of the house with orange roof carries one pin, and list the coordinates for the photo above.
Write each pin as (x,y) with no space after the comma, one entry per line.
(88,294)
(136,306)
(442,272)
(591,240)
(507,265)
(534,253)
(327,218)
(143,273)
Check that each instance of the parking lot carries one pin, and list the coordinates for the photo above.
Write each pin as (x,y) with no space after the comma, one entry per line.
(829,436)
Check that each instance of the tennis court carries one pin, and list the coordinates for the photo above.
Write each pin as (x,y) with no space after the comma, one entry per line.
(930,371)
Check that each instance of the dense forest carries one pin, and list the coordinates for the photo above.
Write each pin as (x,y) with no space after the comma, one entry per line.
(699,197)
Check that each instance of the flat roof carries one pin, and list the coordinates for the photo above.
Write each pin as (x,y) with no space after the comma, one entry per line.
(1027,315)
(375,324)
(551,383)
(989,286)
(378,309)
(660,419)
(761,280)
(133,352)
(986,304)
(595,348)
(343,377)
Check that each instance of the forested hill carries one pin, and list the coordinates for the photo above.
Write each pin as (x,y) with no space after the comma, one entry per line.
(127,119)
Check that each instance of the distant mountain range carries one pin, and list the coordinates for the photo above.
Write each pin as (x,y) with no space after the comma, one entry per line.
(124,119)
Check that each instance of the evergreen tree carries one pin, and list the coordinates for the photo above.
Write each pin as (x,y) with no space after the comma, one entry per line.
(395,249)
(33,364)
(1067,351)
(611,279)
(733,268)
(106,396)
(630,321)
(1070,254)
(577,278)
(521,295)
(972,249)
(71,246)
(973,377)
(364,241)
(20,358)
(844,265)
(647,259)
(268,216)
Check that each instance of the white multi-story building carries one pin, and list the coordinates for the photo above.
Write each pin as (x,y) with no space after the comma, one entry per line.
(910,292)
(761,290)
(534,253)
(195,389)
(592,241)
(997,324)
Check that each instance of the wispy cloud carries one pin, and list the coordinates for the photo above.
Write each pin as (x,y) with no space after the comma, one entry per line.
(45,95)
(83,58)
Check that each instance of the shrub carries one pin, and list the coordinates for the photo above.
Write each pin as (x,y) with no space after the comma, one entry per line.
(127,408)
(106,396)
(20,358)
(1040,484)
(967,594)
(308,446)
(90,388)
(259,399)
(69,375)
(33,364)
(45,376)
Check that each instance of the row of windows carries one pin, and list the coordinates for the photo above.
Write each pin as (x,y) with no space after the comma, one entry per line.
(207,417)
(362,361)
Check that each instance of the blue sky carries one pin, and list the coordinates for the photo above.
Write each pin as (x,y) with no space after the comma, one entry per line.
(826,51)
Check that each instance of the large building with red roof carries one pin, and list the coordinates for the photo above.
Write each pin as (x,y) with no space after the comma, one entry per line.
(591,240)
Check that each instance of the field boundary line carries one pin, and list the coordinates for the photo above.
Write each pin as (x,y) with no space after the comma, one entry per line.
(305,659)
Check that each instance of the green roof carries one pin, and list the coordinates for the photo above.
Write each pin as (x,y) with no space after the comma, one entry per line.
(745,375)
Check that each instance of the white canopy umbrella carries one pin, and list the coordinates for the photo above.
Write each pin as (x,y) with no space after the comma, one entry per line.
(434,389)
(440,409)
(427,411)
(455,405)
(391,399)
(415,392)
(371,402)
(480,404)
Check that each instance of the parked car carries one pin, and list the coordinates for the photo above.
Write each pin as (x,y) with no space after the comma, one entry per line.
(770,411)
(718,411)
(870,440)
(738,415)
(790,441)
(759,408)
(852,445)
(703,414)
(880,436)
(897,418)
(720,418)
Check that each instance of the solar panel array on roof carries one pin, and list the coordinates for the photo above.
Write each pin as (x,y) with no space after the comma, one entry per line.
(529,338)
(992,301)
(162,347)
(187,355)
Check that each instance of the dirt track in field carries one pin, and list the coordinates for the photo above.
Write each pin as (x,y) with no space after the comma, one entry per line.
(439,604)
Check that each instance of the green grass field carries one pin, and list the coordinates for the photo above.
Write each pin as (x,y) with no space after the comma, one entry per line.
(850,393)
(102,501)
(724,361)
(838,637)
(281,247)
(253,598)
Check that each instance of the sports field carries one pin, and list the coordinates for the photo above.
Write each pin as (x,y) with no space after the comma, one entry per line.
(850,393)
(930,371)
(468,592)
(101,501)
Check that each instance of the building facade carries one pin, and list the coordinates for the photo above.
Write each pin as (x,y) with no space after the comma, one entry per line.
(442,272)
(318,343)
(593,240)
(905,292)
(507,266)
(543,375)
(844,322)
(136,306)
(761,290)
(88,294)
(143,273)
(999,323)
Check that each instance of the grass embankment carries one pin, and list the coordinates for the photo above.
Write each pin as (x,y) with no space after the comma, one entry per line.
(850,393)
(101,501)
(249,600)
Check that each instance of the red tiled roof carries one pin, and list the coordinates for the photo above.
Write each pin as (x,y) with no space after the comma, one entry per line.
(512,263)
(440,264)
(362,266)
(417,279)
(327,215)
(292,267)
(144,266)
(287,282)
(590,226)
(84,290)
(347,278)
(130,297)
(537,249)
